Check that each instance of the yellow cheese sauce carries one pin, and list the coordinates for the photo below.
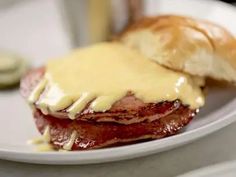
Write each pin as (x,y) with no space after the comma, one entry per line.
(104,73)
(71,141)
(43,143)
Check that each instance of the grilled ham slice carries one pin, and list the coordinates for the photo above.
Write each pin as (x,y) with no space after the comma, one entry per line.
(128,110)
(93,135)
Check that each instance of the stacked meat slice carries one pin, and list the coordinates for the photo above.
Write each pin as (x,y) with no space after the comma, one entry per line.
(129,120)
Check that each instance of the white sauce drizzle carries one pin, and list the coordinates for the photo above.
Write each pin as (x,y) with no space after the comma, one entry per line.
(71,141)
(42,143)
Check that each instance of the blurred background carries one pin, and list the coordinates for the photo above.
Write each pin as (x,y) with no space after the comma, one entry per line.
(41,29)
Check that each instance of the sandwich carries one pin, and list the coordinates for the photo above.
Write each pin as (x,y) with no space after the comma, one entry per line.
(125,91)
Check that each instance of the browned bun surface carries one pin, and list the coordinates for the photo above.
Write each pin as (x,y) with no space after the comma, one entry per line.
(193,46)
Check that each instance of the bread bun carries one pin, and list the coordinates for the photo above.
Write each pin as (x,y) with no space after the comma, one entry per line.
(194,46)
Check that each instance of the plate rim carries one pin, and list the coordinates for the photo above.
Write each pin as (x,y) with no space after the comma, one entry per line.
(124,152)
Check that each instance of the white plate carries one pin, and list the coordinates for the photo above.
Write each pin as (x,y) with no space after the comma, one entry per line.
(227,169)
(17,124)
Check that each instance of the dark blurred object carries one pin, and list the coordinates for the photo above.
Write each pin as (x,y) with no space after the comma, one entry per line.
(228,1)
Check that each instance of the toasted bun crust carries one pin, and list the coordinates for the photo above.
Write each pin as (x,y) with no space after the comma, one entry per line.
(194,46)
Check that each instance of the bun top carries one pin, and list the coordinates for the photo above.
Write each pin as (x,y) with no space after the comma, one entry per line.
(197,47)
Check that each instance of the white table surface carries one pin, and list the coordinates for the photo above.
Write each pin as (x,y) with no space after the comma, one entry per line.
(215,148)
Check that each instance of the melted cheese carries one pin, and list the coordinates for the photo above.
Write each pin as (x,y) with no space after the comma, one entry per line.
(71,141)
(46,134)
(36,141)
(45,138)
(104,73)
(44,148)
(37,91)
(42,143)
